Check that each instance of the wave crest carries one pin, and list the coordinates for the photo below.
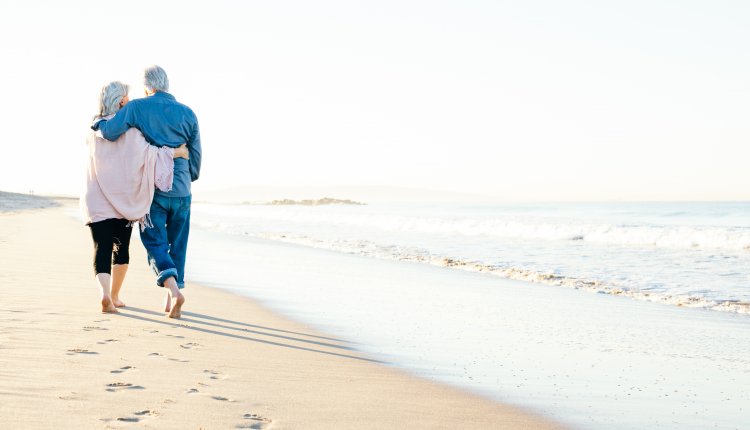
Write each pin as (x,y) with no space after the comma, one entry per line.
(370,249)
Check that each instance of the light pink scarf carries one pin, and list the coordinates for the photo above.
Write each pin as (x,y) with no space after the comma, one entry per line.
(122,176)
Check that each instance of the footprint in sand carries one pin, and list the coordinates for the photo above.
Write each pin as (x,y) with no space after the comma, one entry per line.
(128,419)
(255,421)
(106,341)
(81,351)
(222,399)
(122,369)
(178,360)
(213,374)
(219,398)
(191,345)
(176,336)
(141,414)
(72,396)
(119,386)
(93,327)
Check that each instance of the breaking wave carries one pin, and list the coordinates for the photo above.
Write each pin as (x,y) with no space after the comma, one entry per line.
(400,253)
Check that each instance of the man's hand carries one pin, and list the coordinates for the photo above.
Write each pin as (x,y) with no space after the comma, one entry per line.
(182,152)
(96,123)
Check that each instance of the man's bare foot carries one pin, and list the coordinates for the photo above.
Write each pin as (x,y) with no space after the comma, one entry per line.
(168,302)
(107,306)
(178,300)
(118,303)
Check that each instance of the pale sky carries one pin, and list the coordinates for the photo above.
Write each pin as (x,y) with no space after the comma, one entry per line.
(523,100)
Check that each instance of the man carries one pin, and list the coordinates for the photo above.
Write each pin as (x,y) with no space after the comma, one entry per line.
(164,122)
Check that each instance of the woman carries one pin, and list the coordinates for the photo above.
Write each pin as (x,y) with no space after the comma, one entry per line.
(120,185)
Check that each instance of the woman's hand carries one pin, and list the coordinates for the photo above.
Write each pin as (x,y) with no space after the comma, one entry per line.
(182,152)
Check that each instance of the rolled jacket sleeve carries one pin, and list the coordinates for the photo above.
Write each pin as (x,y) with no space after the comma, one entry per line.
(114,128)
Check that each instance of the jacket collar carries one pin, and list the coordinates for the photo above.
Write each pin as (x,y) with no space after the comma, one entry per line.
(162,94)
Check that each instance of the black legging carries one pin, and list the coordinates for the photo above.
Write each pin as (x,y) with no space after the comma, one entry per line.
(111,243)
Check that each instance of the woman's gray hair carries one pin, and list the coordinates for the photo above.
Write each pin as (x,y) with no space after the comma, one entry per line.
(155,79)
(110,98)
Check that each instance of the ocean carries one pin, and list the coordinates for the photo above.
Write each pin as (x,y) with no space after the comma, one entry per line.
(683,254)
(599,315)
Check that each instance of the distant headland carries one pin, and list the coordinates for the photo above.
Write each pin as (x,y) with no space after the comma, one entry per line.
(309,202)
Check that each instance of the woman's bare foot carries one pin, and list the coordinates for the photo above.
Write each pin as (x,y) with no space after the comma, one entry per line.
(118,276)
(107,306)
(178,300)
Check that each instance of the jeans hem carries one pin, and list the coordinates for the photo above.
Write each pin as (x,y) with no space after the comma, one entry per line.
(164,275)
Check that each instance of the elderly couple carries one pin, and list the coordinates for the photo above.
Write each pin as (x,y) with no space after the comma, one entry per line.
(143,156)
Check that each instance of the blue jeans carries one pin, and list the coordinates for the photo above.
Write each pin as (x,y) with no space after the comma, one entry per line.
(166,242)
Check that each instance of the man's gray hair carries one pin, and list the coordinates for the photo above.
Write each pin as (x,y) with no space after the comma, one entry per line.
(155,79)
(109,99)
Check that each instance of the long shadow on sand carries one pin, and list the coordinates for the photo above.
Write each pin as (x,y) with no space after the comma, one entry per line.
(246,330)
(240,337)
(208,317)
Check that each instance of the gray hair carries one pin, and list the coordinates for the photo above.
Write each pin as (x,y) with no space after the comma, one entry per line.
(155,79)
(109,99)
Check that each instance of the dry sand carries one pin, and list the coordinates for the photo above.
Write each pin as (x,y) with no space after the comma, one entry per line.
(228,363)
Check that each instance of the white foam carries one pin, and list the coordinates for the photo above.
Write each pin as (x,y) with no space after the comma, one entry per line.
(690,259)
(726,238)
(398,253)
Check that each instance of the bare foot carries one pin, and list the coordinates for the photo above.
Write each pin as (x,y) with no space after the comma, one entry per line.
(179,299)
(168,302)
(107,306)
(118,303)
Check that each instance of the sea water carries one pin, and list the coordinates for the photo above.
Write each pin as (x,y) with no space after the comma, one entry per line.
(443,291)
(684,254)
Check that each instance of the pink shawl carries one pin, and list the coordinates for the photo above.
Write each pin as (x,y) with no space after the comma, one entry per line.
(122,176)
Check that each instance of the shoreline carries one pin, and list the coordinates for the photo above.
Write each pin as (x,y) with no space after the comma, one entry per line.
(589,360)
(229,363)
(555,246)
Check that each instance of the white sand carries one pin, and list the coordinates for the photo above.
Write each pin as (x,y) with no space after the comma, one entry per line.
(228,363)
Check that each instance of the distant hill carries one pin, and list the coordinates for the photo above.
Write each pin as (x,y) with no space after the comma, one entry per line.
(262,194)
(318,202)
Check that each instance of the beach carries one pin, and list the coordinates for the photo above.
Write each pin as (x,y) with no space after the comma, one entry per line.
(385,215)
(230,362)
